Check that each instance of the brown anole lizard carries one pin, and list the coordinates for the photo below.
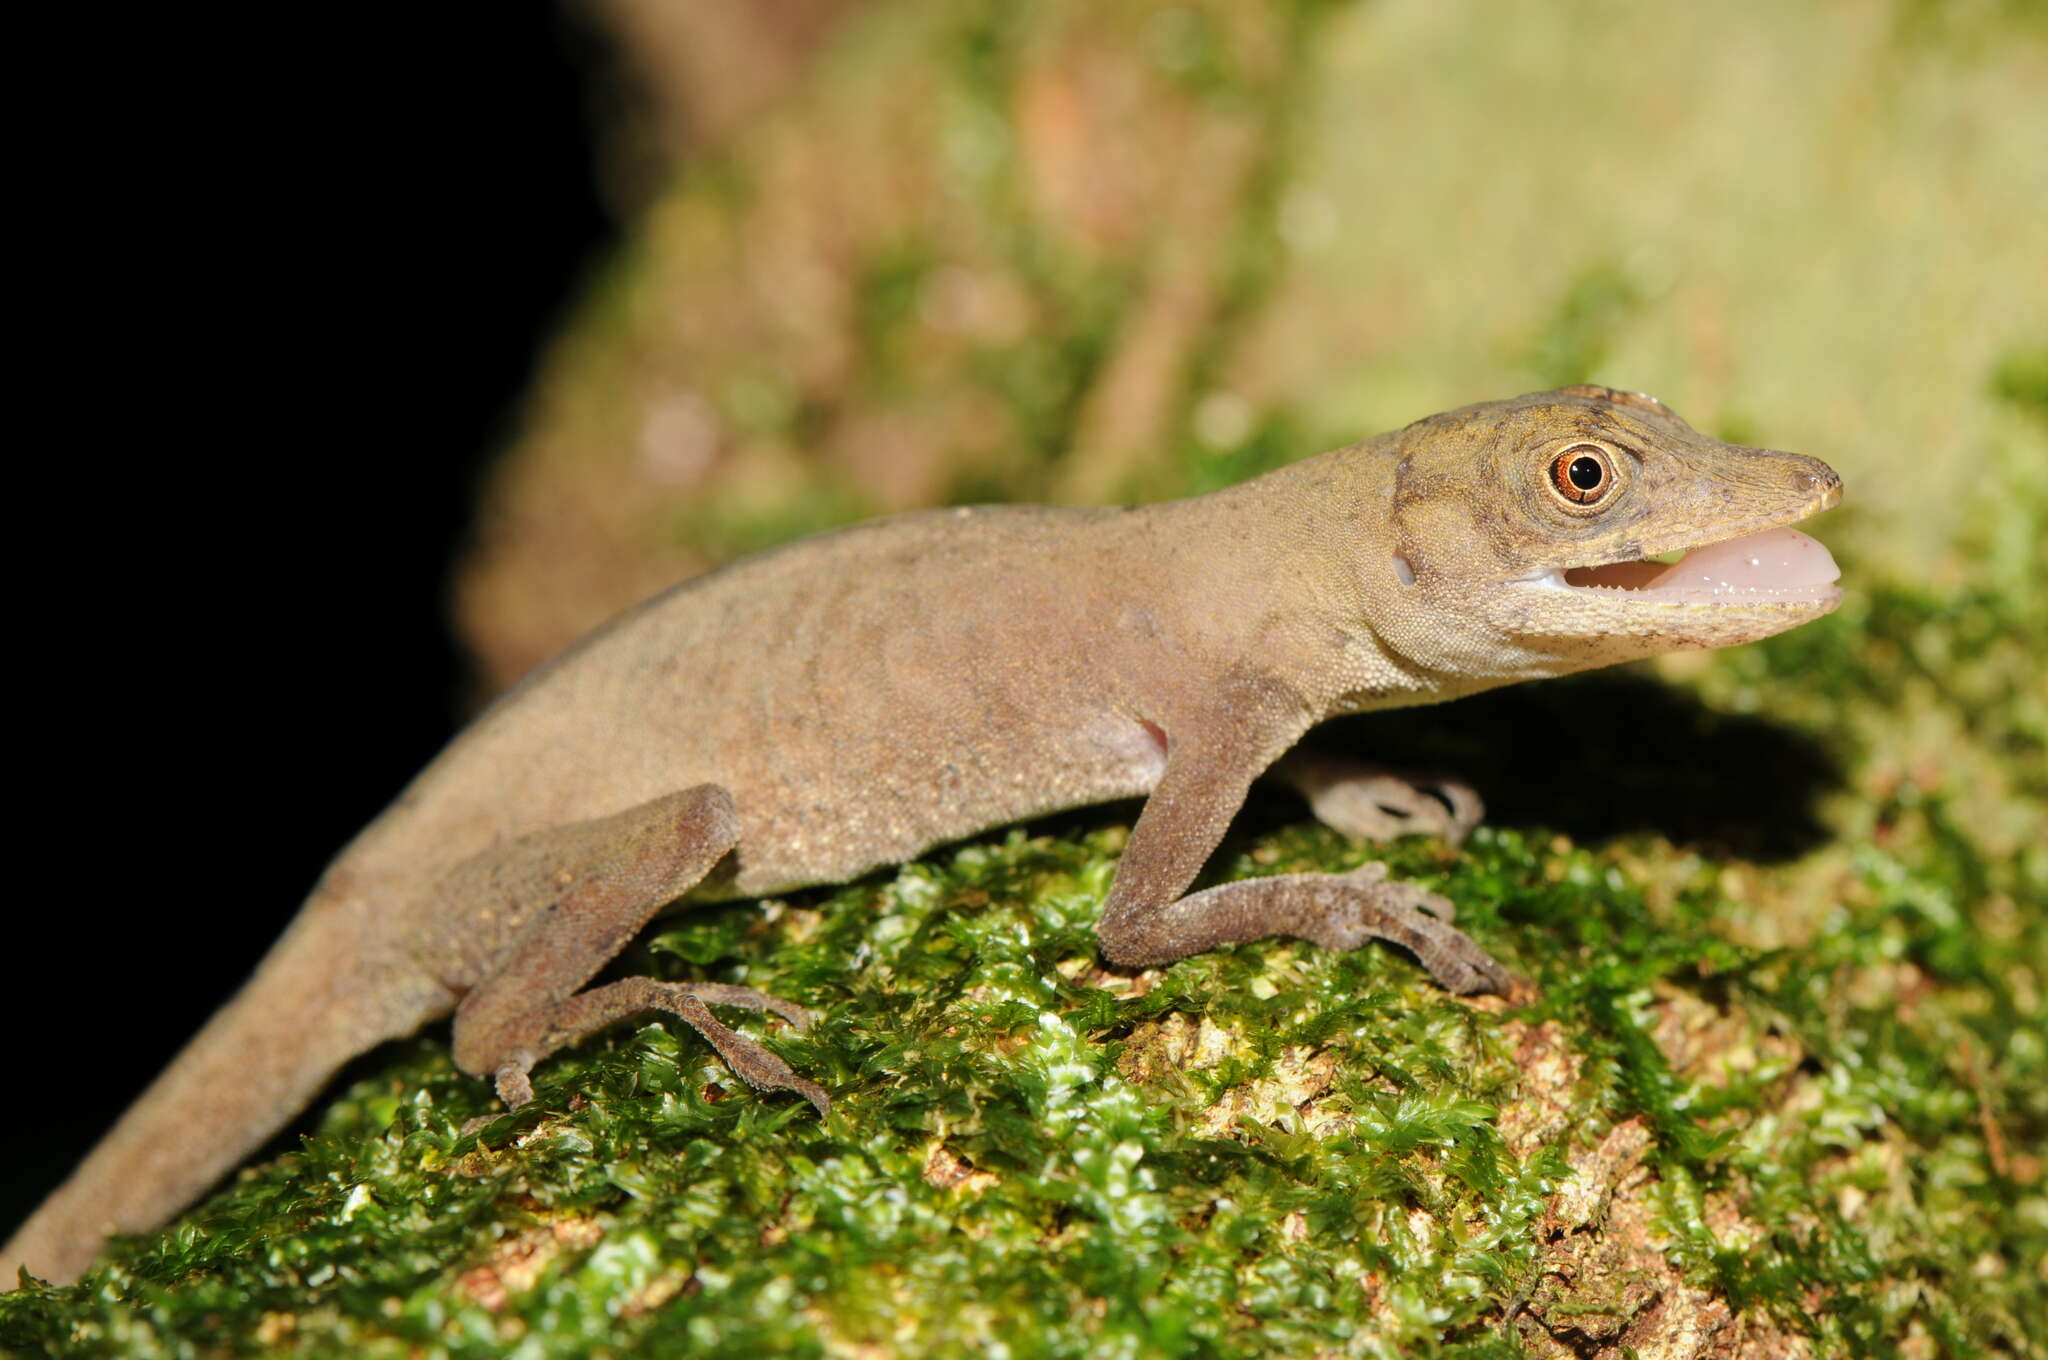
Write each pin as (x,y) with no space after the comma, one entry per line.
(850,700)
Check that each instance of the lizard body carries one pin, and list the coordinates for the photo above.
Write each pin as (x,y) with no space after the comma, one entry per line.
(852,699)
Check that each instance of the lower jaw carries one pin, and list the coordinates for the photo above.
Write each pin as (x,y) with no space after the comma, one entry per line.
(1815,598)
(1619,627)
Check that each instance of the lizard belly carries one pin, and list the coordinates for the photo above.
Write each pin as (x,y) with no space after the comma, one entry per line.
(928,791)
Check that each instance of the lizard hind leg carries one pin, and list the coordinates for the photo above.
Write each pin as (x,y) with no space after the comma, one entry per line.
(553,907)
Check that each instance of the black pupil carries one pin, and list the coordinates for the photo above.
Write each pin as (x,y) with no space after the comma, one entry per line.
(1586,473)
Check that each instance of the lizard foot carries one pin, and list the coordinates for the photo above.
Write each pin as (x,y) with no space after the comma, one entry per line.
(1376,803)
(1374,907)
(1337,911)
(515,1088)
(752,1063)
(547,1029)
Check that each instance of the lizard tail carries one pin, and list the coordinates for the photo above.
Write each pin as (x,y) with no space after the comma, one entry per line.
(254,1065)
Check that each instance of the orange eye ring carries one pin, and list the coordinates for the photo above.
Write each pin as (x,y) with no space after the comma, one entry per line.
(1583,474)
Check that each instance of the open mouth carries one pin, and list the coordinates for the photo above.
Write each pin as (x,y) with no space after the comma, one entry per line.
(1772,566)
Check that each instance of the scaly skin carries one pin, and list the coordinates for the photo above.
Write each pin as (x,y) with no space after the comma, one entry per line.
(853,699)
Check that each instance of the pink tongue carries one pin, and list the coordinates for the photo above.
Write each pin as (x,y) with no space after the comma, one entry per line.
(1761,563)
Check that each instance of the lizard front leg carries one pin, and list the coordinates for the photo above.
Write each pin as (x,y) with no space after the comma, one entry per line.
(1146,920)
(561,903)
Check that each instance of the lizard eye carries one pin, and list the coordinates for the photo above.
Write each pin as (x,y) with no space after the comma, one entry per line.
(1582,474)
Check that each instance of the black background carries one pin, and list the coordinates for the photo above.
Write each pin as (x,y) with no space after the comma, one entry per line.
(295,265)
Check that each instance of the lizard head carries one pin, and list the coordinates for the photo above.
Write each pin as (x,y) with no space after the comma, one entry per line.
(1528,535)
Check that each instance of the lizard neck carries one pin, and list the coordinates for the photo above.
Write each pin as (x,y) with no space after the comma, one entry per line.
(1297,571)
